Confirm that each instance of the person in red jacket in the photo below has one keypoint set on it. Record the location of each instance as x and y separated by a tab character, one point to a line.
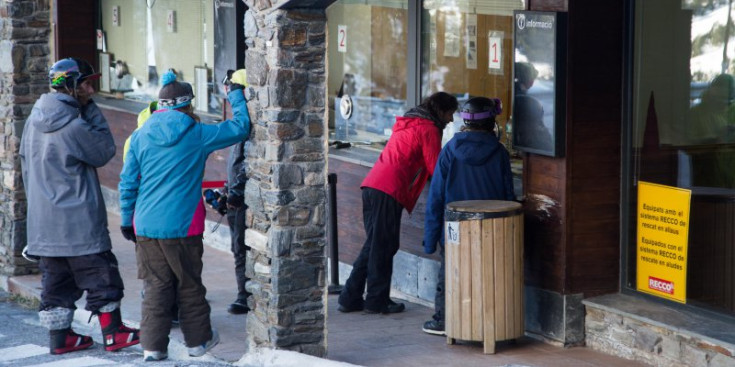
394	183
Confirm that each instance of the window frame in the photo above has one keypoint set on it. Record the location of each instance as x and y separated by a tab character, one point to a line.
627	282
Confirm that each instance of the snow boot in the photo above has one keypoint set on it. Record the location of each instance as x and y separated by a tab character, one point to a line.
114	333
65	341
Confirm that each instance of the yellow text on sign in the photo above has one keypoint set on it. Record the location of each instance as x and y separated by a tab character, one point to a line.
663	233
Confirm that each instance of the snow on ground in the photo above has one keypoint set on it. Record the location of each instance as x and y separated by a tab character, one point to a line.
263	357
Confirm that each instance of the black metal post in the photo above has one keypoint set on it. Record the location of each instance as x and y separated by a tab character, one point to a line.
334	286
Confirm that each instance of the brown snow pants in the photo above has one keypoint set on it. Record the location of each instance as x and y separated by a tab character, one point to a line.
162	265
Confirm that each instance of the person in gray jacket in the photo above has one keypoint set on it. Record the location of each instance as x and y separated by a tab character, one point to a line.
65	139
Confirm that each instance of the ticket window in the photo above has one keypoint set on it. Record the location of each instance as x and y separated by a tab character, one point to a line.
367	54
145	39
468	52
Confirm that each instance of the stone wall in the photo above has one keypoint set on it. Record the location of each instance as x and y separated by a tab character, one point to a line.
24	58
286	166
669	342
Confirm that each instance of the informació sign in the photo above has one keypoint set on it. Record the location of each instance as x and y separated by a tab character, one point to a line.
663	234
539	88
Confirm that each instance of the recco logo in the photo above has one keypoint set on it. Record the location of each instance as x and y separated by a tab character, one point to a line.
661	285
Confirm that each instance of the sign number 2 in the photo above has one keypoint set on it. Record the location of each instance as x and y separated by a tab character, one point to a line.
342	38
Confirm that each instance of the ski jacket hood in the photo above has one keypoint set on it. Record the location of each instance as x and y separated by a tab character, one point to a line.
54	111
472	166
170	128
475	149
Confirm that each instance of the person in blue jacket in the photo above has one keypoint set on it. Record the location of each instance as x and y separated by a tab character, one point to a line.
472	166
160	190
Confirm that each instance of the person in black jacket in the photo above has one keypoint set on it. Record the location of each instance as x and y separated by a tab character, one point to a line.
472	166
236	209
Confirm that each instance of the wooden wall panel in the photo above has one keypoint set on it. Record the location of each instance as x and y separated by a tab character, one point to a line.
594	146
75	29
544	182
573	203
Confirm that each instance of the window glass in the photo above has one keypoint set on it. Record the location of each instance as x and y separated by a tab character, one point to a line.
366	85
683	130
146	38
468	52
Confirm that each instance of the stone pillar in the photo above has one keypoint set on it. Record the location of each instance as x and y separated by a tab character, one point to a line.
286	166
24	59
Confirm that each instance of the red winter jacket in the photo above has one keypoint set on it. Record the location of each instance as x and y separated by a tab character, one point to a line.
407	160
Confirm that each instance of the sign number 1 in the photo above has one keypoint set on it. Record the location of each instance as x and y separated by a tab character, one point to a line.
342	38
495	53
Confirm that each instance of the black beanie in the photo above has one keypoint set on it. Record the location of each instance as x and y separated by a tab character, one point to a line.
174	94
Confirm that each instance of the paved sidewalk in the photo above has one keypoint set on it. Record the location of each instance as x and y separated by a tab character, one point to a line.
357	338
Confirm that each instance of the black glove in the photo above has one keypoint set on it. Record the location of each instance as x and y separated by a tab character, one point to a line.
235	201
128	233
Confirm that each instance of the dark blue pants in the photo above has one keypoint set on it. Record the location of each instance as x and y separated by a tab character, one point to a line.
236	220
64	280
374	266
439	306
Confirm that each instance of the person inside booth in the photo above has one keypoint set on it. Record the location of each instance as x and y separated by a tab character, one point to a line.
528	112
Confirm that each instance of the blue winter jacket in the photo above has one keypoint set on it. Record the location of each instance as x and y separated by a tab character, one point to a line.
472	166
161	180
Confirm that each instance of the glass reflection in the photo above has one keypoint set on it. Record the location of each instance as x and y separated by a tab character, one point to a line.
533	112
684	131
467	51
366	84
146	38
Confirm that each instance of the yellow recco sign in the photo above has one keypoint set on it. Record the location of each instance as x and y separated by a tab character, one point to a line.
663	234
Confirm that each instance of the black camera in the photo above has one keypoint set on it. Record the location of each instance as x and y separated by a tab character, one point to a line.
217	200
227	80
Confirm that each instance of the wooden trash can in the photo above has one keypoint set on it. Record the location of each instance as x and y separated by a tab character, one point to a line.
484	271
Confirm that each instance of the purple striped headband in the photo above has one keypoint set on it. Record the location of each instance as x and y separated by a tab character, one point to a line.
476	116
497	110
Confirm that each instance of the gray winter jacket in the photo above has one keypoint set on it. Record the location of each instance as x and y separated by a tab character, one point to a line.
61	148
